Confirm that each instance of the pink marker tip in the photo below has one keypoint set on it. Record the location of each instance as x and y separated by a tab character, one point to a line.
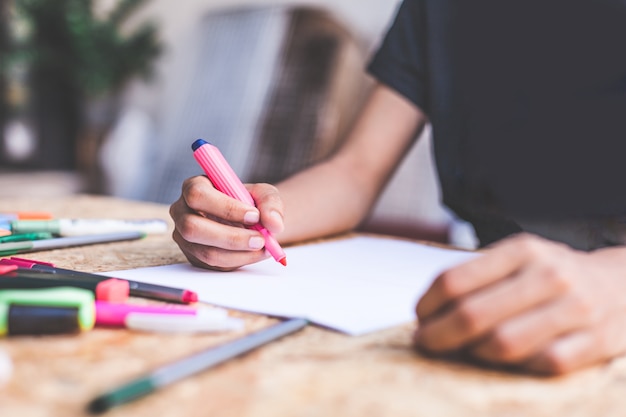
189	297
283	261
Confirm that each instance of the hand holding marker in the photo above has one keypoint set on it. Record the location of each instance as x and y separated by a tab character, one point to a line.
225	180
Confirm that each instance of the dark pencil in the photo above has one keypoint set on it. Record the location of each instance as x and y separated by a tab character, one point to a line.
137	289
25	279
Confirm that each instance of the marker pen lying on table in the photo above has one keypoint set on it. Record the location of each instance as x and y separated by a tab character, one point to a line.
191	365
21	237
165	318
65	242
79	227
46	311
12	278
114	314
137	289
225	180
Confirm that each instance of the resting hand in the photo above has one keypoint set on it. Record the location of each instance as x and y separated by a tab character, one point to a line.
530	303
209	225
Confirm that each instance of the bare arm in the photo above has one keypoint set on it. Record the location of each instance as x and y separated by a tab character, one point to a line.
327	198
340	192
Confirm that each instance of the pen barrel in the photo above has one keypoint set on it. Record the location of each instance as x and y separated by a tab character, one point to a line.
221	174
35	280
156	292
114	314
12	248
130	391
87	276
81	227
35	320
136	289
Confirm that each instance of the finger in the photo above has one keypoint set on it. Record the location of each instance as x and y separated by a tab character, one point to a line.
479	313
527	334
200	196
217	258
201	230
582	349
496	263
270	205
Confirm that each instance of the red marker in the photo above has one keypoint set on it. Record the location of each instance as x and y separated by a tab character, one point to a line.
225	180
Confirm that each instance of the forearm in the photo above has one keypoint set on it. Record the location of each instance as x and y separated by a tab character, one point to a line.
611	257
322	201
336	195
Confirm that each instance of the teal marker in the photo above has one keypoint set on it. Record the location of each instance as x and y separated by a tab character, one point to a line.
11	248
21	237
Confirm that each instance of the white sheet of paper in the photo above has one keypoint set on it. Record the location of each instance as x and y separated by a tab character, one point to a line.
355	285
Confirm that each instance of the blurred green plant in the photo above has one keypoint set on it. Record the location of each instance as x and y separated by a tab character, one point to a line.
61	55
94	50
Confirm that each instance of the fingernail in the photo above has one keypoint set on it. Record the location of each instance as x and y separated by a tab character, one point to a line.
251	217
256	242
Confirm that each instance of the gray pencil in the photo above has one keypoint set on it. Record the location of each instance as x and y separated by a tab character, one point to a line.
65	242
191	365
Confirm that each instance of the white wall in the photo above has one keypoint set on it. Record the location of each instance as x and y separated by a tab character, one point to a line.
367	17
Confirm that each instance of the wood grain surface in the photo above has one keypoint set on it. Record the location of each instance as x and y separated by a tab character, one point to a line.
316	372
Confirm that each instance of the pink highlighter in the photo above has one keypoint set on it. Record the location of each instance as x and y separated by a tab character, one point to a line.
225	180
114	314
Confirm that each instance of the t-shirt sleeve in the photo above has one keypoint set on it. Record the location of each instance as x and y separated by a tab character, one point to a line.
399	62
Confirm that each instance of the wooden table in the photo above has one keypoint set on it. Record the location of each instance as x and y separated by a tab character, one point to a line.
316	372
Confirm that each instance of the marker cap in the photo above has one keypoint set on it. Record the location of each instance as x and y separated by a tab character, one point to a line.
29	319
113	290
62	297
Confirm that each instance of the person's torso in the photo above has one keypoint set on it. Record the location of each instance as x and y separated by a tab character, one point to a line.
528	103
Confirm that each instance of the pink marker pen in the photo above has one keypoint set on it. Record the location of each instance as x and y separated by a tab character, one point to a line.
114	314
225	180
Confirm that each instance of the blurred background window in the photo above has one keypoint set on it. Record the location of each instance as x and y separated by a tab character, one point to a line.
131	84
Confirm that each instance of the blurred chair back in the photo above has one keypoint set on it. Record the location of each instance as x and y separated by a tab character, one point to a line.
275	88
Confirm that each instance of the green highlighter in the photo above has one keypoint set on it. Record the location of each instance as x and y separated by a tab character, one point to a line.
21	237
46	311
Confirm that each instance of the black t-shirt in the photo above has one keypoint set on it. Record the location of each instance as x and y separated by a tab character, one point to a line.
527	100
